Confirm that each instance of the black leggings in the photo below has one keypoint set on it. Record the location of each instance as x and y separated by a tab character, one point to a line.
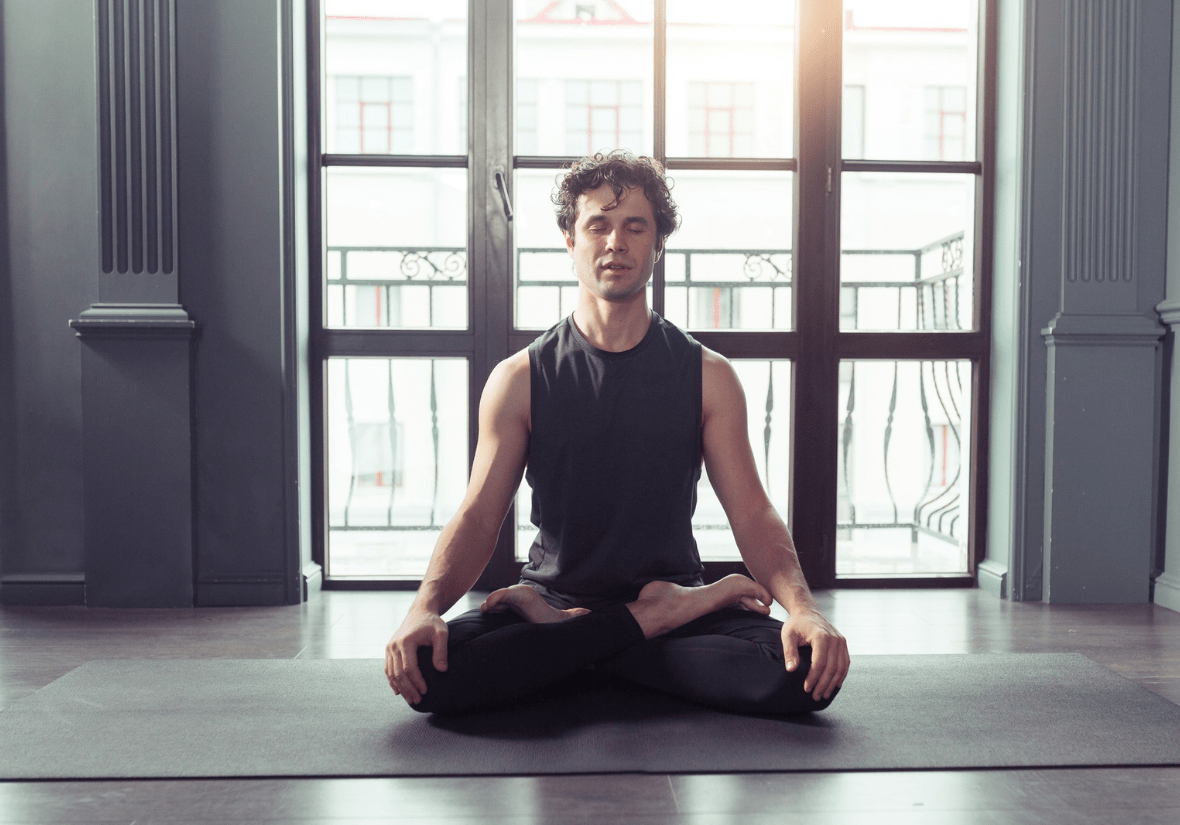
731	660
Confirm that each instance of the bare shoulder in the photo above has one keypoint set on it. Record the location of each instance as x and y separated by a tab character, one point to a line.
507	394
720	388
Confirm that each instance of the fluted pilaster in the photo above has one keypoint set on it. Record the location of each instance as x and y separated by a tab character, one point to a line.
1103	343
137	340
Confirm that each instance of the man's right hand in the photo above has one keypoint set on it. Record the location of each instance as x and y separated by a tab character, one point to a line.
401	653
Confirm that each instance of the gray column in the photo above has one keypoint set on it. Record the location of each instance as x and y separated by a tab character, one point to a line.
1102	387
136	340
1167	584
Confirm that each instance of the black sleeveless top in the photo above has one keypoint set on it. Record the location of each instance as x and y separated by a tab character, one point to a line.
614	459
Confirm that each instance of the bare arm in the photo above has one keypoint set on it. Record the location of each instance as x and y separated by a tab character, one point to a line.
761	535
467	541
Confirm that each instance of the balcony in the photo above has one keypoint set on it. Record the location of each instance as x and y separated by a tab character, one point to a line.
398	426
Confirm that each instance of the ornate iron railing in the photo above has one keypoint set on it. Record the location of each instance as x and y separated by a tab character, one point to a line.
935	511
393	460
937	286
429	267
938	290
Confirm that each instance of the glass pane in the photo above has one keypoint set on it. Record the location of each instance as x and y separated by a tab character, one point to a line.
588	67
731	78
397	461
397	248
400	63
903	472
914	64
729	264
852	122
546	289
907	251
768	413
767	385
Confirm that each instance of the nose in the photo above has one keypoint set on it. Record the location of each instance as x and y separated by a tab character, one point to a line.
616	240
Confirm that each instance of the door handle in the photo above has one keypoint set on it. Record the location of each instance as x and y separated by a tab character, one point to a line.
502	187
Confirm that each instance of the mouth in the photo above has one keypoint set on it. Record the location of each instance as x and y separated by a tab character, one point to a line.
615	267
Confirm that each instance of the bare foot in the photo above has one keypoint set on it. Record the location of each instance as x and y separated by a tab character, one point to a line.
663	606
522	599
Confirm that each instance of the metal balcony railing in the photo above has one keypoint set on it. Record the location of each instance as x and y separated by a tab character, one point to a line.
364	283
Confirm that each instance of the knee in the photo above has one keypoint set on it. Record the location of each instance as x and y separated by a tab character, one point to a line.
806	702
785	695
440	696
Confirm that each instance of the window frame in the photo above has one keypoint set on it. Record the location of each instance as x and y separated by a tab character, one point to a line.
815	344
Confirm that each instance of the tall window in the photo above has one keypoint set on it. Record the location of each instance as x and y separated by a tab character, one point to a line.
831	247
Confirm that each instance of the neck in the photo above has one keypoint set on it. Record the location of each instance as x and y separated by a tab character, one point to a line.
614	326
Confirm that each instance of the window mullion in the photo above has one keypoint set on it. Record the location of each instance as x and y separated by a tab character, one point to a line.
813	516
490	239
659	133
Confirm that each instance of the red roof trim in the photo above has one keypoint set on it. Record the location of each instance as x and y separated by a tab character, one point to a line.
543	17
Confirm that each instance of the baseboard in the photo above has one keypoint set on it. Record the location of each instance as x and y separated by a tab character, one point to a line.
43	589
993	578
254	591
313	580
1167	591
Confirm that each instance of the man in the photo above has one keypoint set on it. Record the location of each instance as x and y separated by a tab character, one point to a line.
613	411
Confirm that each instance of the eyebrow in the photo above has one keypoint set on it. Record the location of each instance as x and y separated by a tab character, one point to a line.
631	220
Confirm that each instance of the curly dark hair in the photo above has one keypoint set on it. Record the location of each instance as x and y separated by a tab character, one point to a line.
619	170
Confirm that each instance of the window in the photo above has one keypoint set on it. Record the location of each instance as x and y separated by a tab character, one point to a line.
599	114
852	129
374	115
721	120
837	260
527	117
946	122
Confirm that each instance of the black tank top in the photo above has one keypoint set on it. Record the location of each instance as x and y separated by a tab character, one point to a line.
614	459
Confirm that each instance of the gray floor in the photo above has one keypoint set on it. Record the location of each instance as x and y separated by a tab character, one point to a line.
1140	642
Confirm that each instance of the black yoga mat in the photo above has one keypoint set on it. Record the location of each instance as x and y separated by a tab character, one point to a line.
255	718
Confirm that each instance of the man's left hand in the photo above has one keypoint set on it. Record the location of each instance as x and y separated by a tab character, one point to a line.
829	652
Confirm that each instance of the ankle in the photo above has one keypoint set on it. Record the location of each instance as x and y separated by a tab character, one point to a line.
646	616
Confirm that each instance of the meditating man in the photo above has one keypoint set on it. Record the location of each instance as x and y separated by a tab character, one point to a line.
612	412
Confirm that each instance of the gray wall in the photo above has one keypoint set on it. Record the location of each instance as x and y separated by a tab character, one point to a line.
47	269
241	196
1167	585
237	279
1076	448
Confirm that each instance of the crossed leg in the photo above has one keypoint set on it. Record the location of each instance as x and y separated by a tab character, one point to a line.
729	659
517	644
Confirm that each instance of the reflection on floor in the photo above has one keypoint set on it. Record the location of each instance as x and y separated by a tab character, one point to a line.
1141	642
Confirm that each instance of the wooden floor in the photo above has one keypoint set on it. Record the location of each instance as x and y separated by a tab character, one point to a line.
37	645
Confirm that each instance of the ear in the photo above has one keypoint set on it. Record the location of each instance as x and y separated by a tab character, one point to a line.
569	242
659	250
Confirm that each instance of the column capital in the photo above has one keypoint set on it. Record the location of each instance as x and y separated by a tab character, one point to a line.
109	320
1169	311
1124	329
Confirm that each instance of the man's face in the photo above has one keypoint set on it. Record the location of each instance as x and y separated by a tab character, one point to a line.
614	247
